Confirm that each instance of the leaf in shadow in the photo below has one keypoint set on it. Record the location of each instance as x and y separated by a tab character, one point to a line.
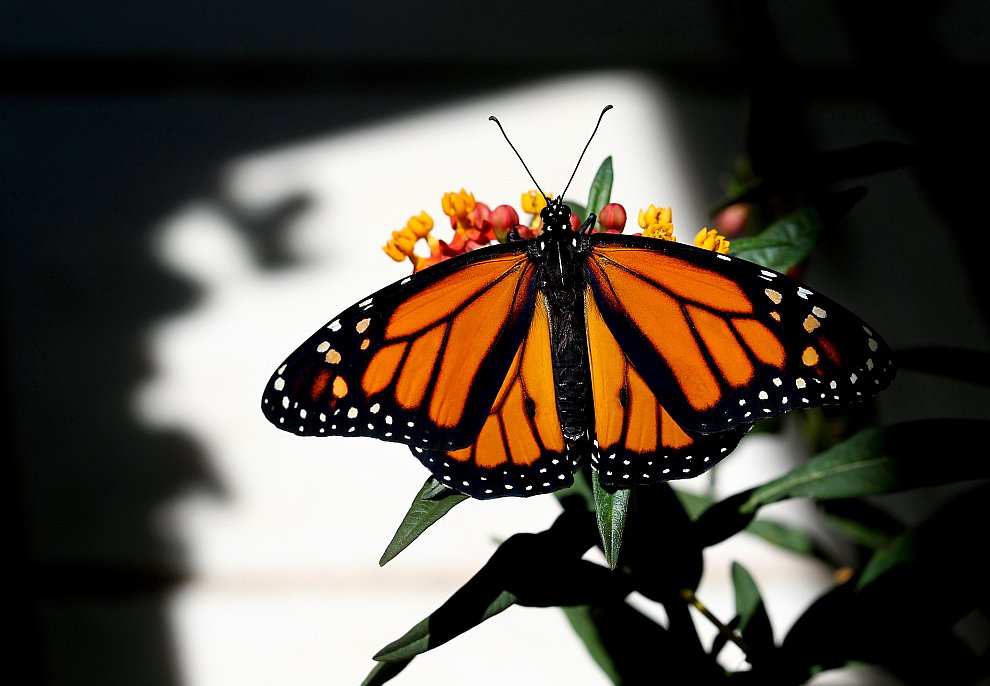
754	622
433	501
538	570
910	455
661	553
901	612
784	244
723	519
632	649
862	523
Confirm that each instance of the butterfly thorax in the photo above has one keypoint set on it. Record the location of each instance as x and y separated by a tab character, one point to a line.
561	285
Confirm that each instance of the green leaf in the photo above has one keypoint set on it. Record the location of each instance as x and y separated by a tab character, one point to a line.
754	622
784	243
937	547
610	511
384	671
420	638
431	503
582	620
693	503
783	536
910	455
601	187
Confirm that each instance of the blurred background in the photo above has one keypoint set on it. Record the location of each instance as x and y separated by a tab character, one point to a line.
190	190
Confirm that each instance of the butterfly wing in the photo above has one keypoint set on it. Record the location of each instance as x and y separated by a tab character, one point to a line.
638	441
520	449
419	362
722	342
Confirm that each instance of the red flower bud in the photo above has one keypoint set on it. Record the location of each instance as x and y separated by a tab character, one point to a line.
504	219
732	220
612	218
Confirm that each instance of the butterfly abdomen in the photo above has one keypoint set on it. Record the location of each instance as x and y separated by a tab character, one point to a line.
562	287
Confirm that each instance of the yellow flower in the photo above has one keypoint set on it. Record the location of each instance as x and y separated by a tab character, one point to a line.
533	203
661	230
656	223
421	225
710	240
458	204
403	242
655	215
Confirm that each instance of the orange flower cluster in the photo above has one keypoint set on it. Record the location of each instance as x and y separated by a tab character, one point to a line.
475	225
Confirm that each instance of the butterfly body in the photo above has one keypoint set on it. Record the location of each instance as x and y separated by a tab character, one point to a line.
506	368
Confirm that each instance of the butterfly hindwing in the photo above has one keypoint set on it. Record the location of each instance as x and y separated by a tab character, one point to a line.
419	362
723	342
638	441
520	448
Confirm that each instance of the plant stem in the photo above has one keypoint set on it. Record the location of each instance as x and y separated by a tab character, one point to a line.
728	633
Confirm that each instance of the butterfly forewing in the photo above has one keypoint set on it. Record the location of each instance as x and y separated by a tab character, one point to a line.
419	362
723	342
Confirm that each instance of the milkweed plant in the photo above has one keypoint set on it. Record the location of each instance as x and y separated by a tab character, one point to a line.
892	603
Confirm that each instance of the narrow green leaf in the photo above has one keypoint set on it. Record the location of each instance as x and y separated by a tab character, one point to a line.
858	532
384	671
601	187
431	503
874	461
582	621
935	547
754	623
610	511
784	243
693	503
783	536
419	639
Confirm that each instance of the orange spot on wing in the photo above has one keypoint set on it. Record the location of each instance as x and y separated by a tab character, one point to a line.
641	432
536	373
761	341
830	351
319	385
809	357
607	375
339	387
489	450
523	446
671	433
382	368
462	454
417	370
729	356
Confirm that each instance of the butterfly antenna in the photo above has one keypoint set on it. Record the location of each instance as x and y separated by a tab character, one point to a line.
495	119
607	108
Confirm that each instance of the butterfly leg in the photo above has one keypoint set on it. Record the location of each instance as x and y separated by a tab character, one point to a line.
589	224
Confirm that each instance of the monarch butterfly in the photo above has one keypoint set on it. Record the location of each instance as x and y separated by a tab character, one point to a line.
505	368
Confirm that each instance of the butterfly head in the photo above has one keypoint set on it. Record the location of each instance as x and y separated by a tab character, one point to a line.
556	216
